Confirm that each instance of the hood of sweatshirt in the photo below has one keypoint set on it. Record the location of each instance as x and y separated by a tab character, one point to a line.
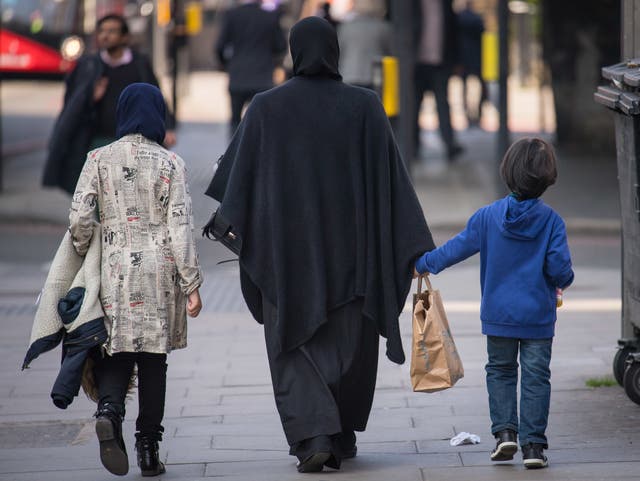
522	219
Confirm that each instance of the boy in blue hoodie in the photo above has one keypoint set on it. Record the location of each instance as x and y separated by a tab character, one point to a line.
524	265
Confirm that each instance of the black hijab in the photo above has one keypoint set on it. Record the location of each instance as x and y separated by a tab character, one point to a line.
314	48
141	110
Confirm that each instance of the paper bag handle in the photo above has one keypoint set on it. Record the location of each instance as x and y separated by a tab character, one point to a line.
426	280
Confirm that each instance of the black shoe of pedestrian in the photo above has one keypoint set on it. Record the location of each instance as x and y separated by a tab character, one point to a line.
113	452
314	463
506	445
351	453
348	446
533	456
148	457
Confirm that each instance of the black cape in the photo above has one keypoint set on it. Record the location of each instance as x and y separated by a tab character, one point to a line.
314	184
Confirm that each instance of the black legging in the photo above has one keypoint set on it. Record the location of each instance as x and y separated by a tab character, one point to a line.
112	375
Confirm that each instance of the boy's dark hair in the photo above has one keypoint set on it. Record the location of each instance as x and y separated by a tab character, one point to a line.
529	167
124	27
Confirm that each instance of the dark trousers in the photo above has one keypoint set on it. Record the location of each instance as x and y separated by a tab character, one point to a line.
112	375
239	98
434	78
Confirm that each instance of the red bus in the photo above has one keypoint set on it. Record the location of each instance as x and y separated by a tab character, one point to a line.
40	37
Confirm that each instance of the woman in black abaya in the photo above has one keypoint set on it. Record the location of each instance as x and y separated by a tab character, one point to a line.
315	187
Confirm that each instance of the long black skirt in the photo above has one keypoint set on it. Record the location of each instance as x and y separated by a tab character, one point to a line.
324	388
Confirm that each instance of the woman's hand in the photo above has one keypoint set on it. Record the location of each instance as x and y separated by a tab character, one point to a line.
194	304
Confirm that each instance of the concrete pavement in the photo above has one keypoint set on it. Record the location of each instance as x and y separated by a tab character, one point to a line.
221	421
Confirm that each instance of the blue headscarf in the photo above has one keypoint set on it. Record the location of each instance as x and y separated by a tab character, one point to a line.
141	110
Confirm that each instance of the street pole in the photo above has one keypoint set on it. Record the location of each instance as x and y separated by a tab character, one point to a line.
630	38
401	15
503	43
174	57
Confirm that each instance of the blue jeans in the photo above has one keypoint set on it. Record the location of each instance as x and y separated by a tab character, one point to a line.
535	388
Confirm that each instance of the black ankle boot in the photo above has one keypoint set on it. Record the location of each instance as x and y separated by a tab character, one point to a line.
113	452
148	457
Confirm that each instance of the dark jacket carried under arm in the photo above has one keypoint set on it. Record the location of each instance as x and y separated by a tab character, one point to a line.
70	311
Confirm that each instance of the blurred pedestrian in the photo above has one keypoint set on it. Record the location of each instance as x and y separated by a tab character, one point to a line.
325	12
314	186
150	272
318	8
250	46
88	117
471	28
437	49
524	264
364	37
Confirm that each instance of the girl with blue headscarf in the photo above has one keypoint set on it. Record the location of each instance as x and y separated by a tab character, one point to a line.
150	277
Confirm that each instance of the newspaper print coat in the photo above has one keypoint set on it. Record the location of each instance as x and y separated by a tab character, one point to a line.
149	259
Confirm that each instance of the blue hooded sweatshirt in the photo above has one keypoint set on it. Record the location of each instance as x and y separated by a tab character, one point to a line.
524	256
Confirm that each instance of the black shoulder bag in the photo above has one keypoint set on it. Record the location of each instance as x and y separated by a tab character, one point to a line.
219	229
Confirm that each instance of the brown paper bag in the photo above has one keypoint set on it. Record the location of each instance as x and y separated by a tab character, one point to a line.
435	363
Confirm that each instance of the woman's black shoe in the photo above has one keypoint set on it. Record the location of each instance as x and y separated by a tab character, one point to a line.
351	453
348	446
314	463
113	452
148	457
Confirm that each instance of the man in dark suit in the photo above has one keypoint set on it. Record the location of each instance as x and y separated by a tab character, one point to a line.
250	45
436	41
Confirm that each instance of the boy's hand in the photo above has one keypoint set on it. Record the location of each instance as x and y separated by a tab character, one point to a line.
416	274
194	304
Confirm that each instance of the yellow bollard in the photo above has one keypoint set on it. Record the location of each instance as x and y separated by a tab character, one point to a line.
193	17
490	56
390	86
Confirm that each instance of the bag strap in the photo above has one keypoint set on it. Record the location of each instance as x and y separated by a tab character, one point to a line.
426	280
